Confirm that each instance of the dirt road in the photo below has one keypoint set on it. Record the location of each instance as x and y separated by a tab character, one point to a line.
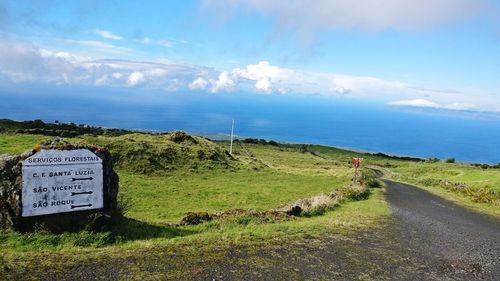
461	243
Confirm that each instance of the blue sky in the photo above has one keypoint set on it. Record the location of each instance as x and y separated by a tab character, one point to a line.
428	54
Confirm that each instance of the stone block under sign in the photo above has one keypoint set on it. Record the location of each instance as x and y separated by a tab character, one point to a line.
59	181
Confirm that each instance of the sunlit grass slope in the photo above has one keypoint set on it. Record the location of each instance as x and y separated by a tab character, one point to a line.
162	178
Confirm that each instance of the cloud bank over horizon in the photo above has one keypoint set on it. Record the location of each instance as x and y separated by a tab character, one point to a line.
423	103
24	62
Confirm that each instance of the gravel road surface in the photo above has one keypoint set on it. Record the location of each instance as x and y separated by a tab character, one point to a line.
461	243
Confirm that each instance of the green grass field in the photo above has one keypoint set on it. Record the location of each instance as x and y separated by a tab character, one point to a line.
162	177
260	177
16	144
165	199
267	179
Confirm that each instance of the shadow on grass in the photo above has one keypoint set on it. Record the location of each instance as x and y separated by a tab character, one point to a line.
128	229
117	232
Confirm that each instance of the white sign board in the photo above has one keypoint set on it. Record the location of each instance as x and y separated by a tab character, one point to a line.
58	181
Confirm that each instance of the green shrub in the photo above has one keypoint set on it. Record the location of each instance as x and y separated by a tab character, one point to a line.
450	160
433	160
316	211
355	193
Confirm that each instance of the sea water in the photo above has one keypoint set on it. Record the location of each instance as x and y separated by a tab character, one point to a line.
315	119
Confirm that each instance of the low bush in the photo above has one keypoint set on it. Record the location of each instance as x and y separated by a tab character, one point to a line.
192	218
355	193
429	182
260	141
477	194
433	160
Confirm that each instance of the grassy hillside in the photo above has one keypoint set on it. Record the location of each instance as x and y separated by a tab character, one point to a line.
165	176
260	175
161	153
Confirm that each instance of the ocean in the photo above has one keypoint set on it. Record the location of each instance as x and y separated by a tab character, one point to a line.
314	119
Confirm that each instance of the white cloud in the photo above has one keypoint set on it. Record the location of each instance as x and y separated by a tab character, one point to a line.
108	35
265	75
423	103
264	69
264	85
223	83
198	84
117	75
24	62
306	16
269	78
415	103
135	78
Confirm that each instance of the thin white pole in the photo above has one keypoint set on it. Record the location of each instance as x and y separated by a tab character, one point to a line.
232	132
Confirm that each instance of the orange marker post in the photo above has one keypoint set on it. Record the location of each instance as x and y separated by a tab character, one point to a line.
356	162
